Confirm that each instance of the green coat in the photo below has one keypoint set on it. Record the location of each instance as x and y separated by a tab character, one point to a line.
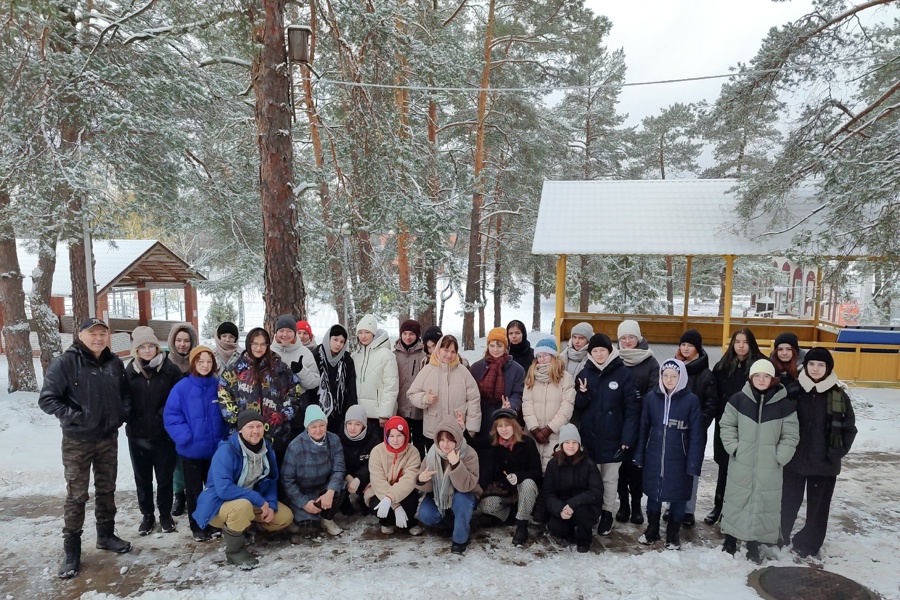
760	438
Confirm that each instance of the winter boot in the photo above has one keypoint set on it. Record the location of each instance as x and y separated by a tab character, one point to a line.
178	507
713	516
458	548
673	529
521	534
236	551
730	545
146	526
108	540
624	514
167	523
688	521
540	516
651	534
753	553
331	527
606	523
637	517
72	561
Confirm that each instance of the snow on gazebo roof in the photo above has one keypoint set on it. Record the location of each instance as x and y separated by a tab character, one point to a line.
681	217
116	263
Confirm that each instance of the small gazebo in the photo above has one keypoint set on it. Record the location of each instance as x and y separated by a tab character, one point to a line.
691	218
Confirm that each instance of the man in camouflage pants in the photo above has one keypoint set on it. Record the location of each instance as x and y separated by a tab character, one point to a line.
85	389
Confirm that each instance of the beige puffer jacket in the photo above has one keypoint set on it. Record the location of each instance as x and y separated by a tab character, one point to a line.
397	479
456	390
409	364
549	405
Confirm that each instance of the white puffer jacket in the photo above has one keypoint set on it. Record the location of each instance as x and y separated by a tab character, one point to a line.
548	405
309	371
377	382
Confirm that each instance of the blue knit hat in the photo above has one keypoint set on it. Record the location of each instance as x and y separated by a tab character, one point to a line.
547	346
313	414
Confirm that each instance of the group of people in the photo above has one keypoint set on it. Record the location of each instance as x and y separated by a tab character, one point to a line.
286	433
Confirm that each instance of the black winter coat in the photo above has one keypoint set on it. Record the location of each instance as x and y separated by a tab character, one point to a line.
356	455
330	374
573	483
814	455
88	395
148	398
496	462
646	373
611	410
703	384
727	385
523	354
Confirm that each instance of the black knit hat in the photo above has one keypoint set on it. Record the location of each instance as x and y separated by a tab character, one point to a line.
411	325
692	337
248	415
338	330
432	334
600	340
788	338
227	327
820	354
286	322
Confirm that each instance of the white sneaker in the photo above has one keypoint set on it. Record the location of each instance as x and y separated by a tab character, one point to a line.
387	529
416	530
331	527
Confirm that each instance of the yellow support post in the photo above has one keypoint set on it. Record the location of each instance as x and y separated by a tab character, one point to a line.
726	317
560	296
687	292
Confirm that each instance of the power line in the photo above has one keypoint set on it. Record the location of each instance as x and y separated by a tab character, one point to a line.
550	89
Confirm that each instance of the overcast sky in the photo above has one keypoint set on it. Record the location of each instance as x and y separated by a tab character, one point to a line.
679	38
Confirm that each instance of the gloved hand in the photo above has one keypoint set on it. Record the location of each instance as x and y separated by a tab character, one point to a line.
297	365
512	479
400	517
383	507
546	432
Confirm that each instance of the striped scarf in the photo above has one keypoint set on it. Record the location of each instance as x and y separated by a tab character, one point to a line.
327	400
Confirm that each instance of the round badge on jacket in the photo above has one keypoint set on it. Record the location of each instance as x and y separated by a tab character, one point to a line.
613	385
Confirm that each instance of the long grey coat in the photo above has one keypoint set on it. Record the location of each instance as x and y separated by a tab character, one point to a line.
760	432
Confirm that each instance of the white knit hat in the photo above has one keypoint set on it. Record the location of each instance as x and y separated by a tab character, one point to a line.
763	365
629	327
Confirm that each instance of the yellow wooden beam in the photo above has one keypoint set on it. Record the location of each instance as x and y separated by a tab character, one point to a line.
560	296
687	292
726	317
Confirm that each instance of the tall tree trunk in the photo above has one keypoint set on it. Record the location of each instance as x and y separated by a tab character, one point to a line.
536	300
722	292
46	323
670	287
240	300
584	297
284	291
427	315
16	330
474	275
312	115
401	99
498	283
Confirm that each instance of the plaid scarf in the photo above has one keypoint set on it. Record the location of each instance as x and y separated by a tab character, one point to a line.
492	386
835	404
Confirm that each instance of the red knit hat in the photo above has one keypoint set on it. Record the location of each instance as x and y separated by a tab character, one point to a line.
304	326
400	424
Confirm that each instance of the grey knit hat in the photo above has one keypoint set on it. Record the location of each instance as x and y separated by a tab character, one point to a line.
583	329
569	432
286	322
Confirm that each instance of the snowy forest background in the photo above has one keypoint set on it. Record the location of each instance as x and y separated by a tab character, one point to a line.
406	163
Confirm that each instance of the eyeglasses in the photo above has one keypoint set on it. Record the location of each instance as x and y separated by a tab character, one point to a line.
262	345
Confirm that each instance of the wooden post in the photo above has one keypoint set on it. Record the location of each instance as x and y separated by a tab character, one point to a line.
190	305
560	296
726	314
818	304
687	292
145	306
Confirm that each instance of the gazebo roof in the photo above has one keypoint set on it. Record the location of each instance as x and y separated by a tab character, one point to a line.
116	263
681	217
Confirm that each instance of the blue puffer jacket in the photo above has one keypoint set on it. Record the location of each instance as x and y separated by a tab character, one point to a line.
192	417
671	444
222	482
610	410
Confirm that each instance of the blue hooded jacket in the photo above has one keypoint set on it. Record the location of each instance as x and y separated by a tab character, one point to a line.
193	418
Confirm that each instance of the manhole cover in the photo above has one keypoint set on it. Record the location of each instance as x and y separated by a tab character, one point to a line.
784	583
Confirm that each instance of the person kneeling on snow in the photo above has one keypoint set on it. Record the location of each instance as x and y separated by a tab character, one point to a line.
242	488
314	470
393	467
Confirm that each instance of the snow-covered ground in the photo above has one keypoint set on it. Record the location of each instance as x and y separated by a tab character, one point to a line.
863	542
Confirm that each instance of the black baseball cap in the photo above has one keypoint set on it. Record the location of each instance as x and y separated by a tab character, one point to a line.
92	322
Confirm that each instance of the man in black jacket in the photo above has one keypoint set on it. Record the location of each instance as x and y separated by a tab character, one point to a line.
85	389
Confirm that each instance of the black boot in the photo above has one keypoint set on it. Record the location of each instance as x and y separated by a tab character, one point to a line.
673	541
178	506
637	517
606	523
688	521
521	534
730	545
147	524
539	515
714	514
72	561
624	514
236	551
651	534
108	540
166	523
753	552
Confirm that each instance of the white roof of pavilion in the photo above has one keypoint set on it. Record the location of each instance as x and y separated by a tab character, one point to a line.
680	217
